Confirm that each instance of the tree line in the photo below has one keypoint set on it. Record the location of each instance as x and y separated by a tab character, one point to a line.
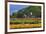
36	12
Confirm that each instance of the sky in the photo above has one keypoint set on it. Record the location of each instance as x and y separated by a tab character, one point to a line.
15	8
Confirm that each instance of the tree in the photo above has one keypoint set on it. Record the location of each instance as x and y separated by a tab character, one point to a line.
36	11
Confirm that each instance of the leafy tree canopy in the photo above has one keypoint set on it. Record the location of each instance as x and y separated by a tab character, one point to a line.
36	11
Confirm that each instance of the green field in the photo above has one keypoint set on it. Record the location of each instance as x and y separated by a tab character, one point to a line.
26	21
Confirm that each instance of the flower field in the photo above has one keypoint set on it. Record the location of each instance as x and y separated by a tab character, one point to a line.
25	23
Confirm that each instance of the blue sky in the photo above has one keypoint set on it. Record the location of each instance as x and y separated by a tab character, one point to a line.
15	8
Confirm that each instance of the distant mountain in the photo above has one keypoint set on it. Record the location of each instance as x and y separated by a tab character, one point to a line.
36	11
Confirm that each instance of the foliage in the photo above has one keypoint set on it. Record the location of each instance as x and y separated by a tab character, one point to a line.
36	11
26	21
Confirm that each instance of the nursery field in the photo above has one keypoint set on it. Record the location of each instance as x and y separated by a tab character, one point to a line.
19	23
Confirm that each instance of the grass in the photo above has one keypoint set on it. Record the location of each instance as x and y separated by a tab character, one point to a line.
21	20
25	23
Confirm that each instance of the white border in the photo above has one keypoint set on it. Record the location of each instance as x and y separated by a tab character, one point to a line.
17	30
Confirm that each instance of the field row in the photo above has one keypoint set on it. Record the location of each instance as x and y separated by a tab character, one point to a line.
18	26
26	21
